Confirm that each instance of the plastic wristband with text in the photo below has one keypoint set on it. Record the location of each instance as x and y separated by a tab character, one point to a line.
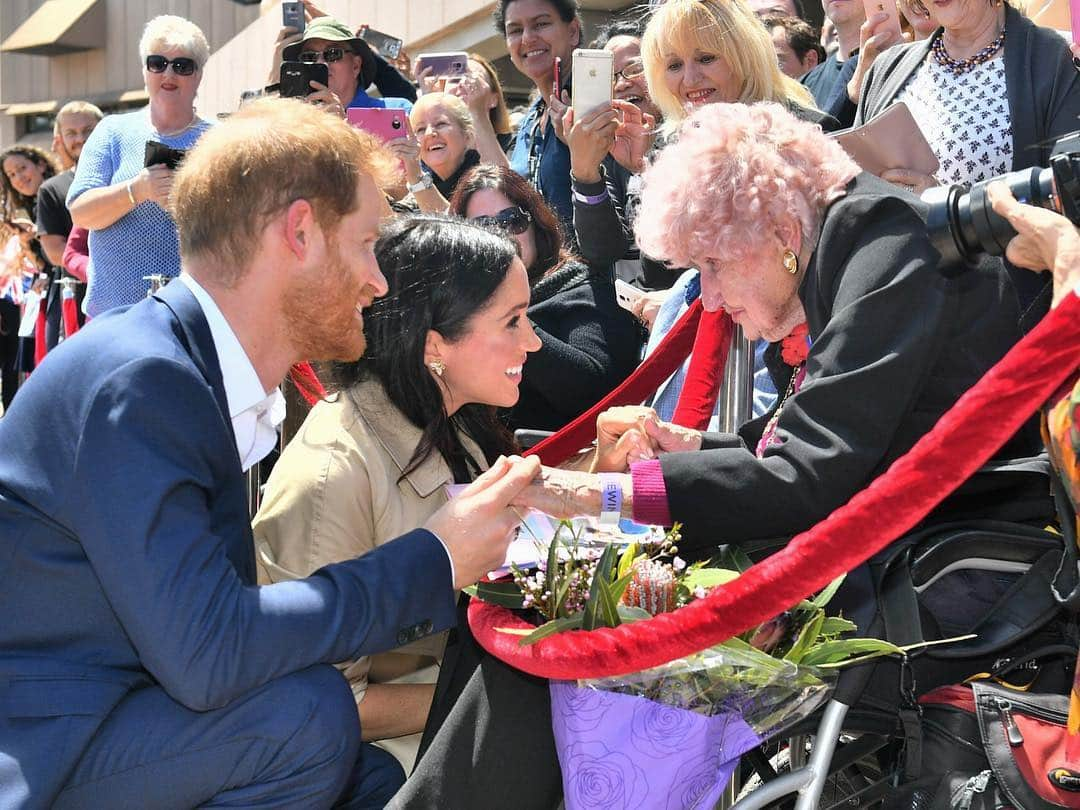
610	499
594	199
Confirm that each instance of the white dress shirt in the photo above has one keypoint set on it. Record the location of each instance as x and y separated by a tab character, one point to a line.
255	414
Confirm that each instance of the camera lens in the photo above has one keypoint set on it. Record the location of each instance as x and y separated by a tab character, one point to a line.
962	223
396	123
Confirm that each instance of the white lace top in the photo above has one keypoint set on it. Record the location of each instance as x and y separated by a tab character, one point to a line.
965	119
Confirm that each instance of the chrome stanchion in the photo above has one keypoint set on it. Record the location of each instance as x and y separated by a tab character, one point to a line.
157	281
737	389
254	483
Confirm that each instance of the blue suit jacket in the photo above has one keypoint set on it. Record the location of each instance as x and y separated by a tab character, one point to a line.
126	555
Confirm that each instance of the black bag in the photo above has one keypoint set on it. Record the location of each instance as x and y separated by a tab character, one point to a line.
987	747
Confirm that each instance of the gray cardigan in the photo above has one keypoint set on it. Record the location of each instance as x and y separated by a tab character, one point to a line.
1042	85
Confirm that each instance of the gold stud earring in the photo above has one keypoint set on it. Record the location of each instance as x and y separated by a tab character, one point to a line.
791	262
437	367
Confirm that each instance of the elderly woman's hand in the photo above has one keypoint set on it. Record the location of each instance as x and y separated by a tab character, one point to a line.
407	150
153	184
569	493
589	139
1044	240
634	136
915	182
327	99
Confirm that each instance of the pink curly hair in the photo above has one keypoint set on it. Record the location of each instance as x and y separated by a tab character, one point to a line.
734	174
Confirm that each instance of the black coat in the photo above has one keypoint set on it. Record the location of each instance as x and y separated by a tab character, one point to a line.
590	346
1041	83
895	344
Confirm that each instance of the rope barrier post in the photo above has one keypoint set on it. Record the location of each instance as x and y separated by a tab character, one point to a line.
737	390
157	281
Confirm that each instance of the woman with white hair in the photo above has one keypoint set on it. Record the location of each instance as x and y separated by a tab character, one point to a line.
120	200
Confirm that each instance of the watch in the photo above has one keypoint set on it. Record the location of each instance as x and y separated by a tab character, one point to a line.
424	182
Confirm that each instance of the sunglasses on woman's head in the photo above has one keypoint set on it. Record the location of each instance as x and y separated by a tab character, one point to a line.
328	56
514	220
181	65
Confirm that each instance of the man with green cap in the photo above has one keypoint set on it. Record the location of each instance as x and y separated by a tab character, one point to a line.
352	65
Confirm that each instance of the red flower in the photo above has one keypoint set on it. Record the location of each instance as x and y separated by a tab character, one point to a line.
795	347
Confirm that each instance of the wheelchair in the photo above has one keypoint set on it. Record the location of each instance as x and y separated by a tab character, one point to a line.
865	742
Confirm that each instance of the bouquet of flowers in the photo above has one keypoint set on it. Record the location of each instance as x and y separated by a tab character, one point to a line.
671	736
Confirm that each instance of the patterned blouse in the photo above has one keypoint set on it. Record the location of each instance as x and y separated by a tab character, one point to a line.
965	119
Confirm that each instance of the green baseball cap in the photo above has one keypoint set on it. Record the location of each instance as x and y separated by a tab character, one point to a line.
333	30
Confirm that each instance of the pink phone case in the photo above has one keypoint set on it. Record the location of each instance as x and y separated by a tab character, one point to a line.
385	124
1074	19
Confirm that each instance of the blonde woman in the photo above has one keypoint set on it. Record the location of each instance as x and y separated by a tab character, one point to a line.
699	52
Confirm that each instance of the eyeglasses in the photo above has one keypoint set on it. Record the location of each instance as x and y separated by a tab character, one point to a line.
514	220
633	70
181	65
328	56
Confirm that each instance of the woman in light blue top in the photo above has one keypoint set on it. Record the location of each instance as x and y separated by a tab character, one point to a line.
122	202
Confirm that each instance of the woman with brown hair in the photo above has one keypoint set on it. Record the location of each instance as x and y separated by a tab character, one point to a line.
590	344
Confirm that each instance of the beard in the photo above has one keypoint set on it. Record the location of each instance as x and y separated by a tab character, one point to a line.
320	313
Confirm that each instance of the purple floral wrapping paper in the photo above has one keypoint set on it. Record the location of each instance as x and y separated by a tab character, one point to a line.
622	752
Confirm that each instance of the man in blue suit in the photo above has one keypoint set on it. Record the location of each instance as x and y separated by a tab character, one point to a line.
140	664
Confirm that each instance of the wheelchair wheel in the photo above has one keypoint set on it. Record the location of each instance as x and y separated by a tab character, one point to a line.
863	769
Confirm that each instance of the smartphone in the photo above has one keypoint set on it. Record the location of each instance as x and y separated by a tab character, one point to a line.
453	63
158	154
296	78
1074	20
388	46
292	14
626	295
556	77
386	124
592	80
889	7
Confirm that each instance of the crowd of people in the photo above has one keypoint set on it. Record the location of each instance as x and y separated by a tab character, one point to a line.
453	284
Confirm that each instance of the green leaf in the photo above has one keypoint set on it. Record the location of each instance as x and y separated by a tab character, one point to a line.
601	579
827	593
618	587
835	652
629	613
627	560
837	625
609	607
807	636
505	594
708	578
734	558
551	628
552	572
560	597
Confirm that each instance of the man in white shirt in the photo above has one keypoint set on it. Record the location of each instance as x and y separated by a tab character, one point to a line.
140	664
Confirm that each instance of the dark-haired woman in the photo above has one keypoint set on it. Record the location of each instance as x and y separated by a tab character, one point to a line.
23	169
445	347
590	343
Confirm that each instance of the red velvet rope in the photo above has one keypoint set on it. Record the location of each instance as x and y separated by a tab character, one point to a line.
961	442
307	383
697	400
644	380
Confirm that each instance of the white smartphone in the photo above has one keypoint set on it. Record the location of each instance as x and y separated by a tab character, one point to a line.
592	80
626	295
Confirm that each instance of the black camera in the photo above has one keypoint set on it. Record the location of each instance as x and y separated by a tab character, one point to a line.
963	225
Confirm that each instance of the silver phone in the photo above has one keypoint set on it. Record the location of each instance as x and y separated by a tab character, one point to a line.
592	81
292	14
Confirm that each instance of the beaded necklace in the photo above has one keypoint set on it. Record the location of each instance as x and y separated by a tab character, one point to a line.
958	67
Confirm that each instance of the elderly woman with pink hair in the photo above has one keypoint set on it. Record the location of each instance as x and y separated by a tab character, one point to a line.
804	250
